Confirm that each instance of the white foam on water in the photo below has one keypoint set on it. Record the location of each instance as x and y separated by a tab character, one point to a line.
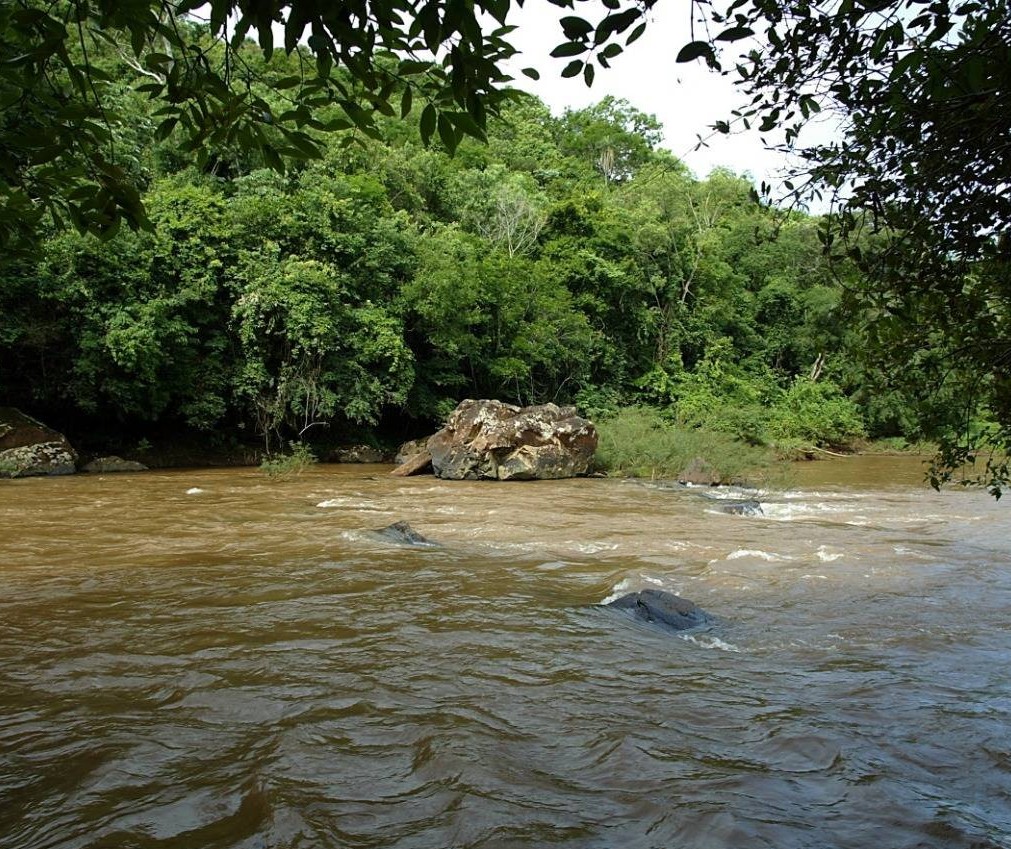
707	641
503	548
352	504
194	490
905	551
713	512
733	493
623	587
826	556
552	565
759	554
634	583
593	547
816	495
813	578
779	512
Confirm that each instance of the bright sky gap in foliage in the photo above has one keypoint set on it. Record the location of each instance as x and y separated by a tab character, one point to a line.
687	99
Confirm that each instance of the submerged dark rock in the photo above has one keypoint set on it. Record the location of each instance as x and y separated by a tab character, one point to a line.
403	534
662	608
750	507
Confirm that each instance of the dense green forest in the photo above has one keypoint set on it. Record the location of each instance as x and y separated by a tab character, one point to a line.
362	293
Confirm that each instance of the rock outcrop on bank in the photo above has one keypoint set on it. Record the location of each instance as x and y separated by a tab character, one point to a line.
112	465
491	440
28	447
358	454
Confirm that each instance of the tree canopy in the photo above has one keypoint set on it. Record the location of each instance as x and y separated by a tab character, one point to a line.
912	80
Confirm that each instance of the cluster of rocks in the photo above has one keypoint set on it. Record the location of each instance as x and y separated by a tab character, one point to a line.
29	448
491	440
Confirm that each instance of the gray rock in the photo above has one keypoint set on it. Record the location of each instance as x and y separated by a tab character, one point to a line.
359	454
28	447
414	465
741	508
496	441
410	450
112	464
661	608
403	534
700	472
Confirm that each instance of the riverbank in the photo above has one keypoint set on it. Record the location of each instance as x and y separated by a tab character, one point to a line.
634	442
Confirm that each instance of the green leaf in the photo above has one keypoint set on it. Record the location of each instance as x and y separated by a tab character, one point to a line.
464	122
533	73
695	50
138	38
636	33
427	123
447	133
575	28
165	128
273	159
406	100
266	35
569	48
305	145
573	68
735	33
588	73
409	67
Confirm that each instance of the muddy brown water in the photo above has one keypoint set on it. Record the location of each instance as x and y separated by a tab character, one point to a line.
201	659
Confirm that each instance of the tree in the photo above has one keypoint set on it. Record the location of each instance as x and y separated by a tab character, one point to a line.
613	136
918	170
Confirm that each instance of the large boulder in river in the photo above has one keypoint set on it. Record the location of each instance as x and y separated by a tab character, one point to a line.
28	447
497	441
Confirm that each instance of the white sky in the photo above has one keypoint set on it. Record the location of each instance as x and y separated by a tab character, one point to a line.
686	98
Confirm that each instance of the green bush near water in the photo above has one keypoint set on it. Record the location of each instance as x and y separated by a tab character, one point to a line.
297	460
640	442
755	408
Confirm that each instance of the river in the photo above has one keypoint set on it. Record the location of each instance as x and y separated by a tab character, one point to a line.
208	658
